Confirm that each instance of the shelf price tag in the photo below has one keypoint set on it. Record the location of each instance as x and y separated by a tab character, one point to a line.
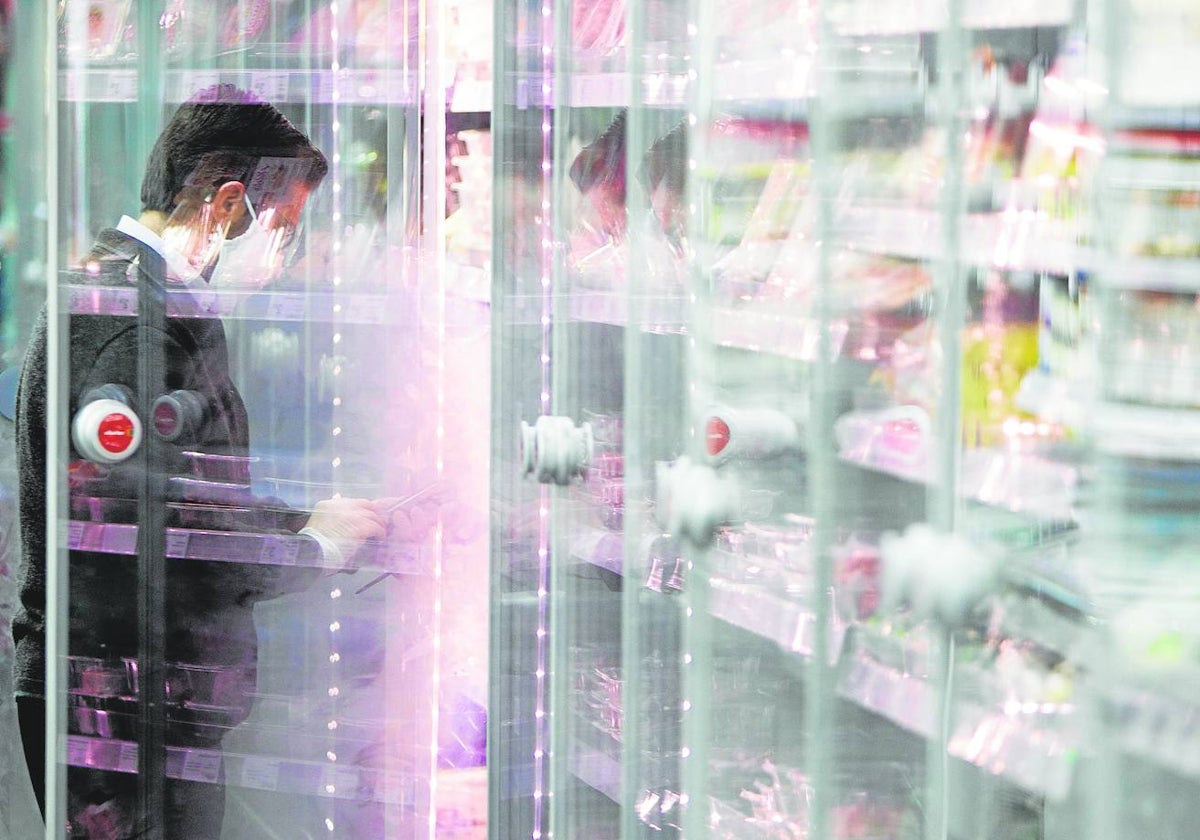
127	759
177	544
597	89
207	303
122	301
77	751
120	86
195	80
802	638
324	84
364	309
69	83
286	306
271	86
279	551
201	766
74	534
78	300
260	773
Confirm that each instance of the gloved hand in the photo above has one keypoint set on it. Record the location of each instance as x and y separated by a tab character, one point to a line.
342	525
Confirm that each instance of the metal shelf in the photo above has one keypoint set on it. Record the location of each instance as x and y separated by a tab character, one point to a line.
599	90
358	308
998	479
761	330
598	547
284	775
784	88
346	87
1011	240
1141	431
1180	275
781	86
1136	431
1032	745
790	624
230	547
1168	117
873	18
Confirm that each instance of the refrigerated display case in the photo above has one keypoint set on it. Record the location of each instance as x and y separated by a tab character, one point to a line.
843	436
274	679
1139	502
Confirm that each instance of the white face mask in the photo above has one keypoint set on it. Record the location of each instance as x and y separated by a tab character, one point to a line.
190	248
180	269
256	257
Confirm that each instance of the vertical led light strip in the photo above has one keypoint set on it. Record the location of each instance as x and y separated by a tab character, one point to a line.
826	89
335	592
432	87
944	501
696	627
546	228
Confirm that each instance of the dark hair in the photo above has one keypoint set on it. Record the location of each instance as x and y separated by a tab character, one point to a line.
226	124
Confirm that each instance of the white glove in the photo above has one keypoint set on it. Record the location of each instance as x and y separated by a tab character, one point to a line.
341	526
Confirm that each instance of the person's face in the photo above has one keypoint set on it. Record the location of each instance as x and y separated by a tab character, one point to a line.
274	210
203	221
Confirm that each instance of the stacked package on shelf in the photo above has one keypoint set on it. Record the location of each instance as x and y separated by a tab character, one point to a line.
598	246
1058	172
598	28
1142	514
1151	205
469	49
1028	170
369	33
469	213
775	803
1148	209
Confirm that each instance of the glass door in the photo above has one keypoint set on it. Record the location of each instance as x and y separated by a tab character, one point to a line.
864	221
261	516
558	425
1140	307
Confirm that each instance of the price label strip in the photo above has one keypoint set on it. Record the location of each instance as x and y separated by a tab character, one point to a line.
127	760
201	766
260	773
177	544
279	551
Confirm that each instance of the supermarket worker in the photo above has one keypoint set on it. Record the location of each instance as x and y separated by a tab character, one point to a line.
221	197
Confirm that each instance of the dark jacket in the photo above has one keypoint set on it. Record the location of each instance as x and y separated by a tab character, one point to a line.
209	605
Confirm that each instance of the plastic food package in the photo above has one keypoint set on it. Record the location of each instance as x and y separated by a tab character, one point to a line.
598	26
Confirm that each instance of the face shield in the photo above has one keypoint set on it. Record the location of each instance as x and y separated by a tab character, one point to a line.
237	221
